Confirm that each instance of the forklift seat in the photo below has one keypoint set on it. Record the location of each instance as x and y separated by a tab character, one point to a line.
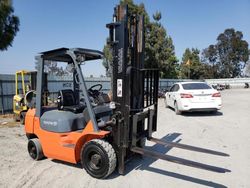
67	101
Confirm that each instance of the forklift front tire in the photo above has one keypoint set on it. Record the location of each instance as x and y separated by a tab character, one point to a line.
35	149
142	142
98	158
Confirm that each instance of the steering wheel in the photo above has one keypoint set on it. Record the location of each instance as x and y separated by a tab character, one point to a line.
94	90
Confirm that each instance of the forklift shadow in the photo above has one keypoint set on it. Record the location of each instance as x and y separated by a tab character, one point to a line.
145	164
78	165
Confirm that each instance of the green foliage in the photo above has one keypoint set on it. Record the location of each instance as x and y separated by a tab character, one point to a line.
136	9
209	59
191	66
52	68
9	24
159	48
229	56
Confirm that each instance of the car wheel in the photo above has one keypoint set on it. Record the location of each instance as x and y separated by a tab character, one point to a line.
35	149
176	109
98	158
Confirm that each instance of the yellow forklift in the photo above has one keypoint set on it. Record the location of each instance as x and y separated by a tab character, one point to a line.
25	83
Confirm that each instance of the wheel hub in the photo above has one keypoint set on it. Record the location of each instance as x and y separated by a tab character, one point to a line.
95	160
33	152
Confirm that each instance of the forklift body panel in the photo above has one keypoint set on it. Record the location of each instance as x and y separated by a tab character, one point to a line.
62	146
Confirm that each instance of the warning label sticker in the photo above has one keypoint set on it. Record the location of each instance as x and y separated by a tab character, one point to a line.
119	87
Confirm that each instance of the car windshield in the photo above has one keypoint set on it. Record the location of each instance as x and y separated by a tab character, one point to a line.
193	86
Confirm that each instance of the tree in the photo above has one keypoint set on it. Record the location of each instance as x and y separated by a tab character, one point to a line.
209	59
159	48
191	66
9	24
52	68
229	56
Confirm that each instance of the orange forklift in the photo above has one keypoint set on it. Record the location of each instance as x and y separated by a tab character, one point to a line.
87	126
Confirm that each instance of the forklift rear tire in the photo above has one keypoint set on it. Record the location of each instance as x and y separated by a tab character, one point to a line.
98	158
35	149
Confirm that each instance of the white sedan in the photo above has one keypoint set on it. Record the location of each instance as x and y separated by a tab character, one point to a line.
193	96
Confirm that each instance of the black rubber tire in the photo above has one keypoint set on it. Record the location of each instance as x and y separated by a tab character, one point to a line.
213	112
142	142
35	149
98	158
22	117
176	109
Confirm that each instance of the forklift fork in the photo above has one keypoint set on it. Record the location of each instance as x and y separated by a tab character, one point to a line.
187	147
178	160
149	115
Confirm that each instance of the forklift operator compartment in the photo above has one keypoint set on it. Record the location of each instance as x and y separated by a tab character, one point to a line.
72	113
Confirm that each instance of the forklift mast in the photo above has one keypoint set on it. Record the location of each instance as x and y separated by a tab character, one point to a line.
134	88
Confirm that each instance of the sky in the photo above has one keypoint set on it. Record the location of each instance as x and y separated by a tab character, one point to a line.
46	25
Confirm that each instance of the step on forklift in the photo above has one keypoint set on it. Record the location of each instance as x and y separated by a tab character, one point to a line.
87	126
